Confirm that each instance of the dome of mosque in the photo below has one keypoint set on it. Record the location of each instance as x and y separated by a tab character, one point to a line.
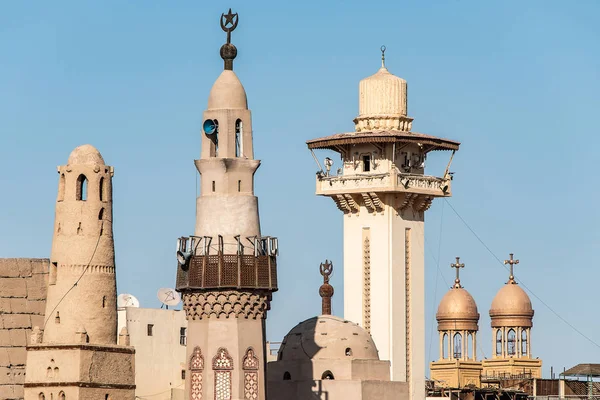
86	154
511	307
327	337
227	93
457	310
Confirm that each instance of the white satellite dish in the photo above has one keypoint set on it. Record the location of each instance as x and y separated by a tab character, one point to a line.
168	296
127	300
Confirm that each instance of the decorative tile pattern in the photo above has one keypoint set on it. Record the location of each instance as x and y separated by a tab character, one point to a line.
222	360
223	385
196	367
250	360
366	280
250	385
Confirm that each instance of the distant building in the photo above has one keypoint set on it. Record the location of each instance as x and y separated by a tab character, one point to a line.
159	337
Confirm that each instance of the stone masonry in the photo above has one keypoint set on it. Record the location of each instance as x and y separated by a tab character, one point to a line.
23	287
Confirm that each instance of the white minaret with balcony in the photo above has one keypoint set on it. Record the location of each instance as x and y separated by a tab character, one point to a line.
383	192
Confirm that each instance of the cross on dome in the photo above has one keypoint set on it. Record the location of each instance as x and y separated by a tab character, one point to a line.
457	265
511	262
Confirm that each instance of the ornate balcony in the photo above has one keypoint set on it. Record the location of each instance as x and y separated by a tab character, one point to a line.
391	182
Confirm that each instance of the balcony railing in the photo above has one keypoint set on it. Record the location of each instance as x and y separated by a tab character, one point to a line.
393	181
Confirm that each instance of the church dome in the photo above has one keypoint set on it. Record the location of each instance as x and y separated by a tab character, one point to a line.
327	337
458	311
86	154
227	93
511	307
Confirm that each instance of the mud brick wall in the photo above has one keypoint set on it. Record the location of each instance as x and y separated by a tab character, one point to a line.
23	287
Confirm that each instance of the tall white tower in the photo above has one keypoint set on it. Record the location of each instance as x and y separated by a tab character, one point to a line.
227	270
383	192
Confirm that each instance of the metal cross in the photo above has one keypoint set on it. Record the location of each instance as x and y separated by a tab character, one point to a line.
457	265
512	262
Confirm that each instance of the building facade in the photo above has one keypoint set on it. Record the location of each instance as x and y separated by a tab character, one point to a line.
382	189
159	337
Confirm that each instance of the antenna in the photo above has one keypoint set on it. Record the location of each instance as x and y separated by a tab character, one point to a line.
127	300
168	296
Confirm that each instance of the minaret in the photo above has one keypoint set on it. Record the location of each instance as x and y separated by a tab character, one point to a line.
382	189
512	319
227	270
457	318
75	353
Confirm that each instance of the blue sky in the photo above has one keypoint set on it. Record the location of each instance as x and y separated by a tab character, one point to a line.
517	83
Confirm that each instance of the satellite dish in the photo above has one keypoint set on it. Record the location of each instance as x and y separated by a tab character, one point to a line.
127	300
168	296
210	126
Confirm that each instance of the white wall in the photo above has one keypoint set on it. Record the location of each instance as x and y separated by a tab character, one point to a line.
159	358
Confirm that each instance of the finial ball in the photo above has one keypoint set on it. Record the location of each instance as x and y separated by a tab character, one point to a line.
228	51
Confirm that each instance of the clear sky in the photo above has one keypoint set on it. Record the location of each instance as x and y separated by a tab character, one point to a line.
516	82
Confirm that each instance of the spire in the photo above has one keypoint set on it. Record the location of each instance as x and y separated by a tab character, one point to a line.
326	290
511	262
229	22
383	56
457	265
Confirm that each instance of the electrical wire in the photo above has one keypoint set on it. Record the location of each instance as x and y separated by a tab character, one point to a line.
520	281
78	279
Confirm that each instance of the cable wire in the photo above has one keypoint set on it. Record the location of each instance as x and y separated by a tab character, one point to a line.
520	281
78	279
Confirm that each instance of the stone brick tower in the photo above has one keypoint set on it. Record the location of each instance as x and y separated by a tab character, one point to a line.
382	189
75	354
227	270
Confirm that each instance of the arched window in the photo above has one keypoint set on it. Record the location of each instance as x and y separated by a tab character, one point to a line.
238	138
41	396
348	352
81	190
327	375
524	342
511	339
101	189
457	345
61	187
470	345
196	368
222	364
250	367
445	346
101	214
287	376
499	342
61	396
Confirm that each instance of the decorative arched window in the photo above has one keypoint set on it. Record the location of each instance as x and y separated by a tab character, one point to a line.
101	189
287	376
41	396
61	396
445	346
250	367
511	340
81	190
470	345
222	364
499	342
457	345
524	342
61	187
327	375
238	138
196	368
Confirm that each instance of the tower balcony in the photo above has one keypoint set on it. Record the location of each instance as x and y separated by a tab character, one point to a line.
390	182
202	267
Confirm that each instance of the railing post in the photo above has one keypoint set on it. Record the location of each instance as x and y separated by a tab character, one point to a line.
239	270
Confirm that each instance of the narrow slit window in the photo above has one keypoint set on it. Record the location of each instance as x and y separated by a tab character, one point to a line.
81	192
213	186
150	329
182	336
238	138
61	187
101	189
239	186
